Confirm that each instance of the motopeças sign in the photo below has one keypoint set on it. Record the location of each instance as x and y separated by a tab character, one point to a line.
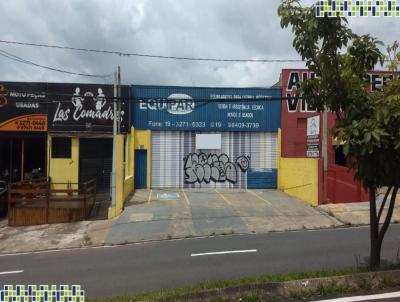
22	107
62	107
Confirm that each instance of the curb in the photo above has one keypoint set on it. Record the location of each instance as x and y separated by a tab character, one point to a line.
302	288
113	245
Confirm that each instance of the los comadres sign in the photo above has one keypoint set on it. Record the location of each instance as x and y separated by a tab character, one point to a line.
84	110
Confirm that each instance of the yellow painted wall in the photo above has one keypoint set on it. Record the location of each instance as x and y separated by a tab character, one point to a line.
133	142
298	177
131	151
142	141
124	174
128	186
278	156
64	170
129	157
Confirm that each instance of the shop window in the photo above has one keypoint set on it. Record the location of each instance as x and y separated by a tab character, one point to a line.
61	147
301	122
340	158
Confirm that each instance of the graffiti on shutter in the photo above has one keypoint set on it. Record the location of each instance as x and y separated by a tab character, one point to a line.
200	167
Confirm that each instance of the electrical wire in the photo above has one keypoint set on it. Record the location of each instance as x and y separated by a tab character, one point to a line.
66	98
130	54
24	61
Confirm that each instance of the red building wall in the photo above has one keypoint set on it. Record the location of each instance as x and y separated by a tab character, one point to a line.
294	114
336	184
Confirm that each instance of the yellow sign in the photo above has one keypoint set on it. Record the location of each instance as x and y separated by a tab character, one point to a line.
30	123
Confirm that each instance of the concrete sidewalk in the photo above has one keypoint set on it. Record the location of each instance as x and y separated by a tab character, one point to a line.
168	214
357	213
53	236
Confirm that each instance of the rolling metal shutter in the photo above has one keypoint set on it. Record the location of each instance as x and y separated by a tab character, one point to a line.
246	160
95	161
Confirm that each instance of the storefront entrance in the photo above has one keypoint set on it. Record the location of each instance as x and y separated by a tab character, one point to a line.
244	160
95	161
22	157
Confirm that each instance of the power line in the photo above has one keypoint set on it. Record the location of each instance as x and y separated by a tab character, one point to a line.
24	61
51	98
130	54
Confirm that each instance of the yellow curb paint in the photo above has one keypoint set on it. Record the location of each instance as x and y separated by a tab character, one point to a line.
186	198
224	198
148	201
259	197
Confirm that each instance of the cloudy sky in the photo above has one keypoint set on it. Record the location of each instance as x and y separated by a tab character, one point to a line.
241	29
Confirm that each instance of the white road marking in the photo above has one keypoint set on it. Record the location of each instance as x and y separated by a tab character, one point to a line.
186	198
224	198
11	272
364	298
223	252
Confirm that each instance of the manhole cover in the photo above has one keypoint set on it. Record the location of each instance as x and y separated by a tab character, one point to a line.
168	196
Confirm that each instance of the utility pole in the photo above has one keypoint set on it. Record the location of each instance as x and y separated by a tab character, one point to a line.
114	152
324	147
119	100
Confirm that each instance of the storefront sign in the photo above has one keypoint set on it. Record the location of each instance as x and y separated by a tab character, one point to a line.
22	107
85	107
29	107
313	137
210	109
291	80
313	125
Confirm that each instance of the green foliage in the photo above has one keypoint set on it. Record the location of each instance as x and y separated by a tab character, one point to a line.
367	123
372	139
393	56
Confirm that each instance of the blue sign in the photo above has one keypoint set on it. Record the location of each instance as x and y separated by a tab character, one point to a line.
206	109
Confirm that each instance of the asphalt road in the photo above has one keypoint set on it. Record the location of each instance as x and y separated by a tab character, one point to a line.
110	271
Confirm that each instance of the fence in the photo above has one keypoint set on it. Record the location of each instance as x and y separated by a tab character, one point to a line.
39	202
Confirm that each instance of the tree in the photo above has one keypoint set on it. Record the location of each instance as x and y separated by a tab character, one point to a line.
367	123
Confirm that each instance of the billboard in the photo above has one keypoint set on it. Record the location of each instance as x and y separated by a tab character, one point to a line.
292	78
296	111
22	108
206	109
85	107
36	107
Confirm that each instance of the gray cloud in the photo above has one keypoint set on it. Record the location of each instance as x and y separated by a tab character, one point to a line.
193	28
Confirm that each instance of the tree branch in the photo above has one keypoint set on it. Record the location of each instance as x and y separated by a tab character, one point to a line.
384	202
389	215
372	202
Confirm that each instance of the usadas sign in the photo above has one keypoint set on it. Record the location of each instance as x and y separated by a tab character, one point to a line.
21	110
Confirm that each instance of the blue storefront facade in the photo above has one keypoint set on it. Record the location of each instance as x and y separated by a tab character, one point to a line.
203	137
